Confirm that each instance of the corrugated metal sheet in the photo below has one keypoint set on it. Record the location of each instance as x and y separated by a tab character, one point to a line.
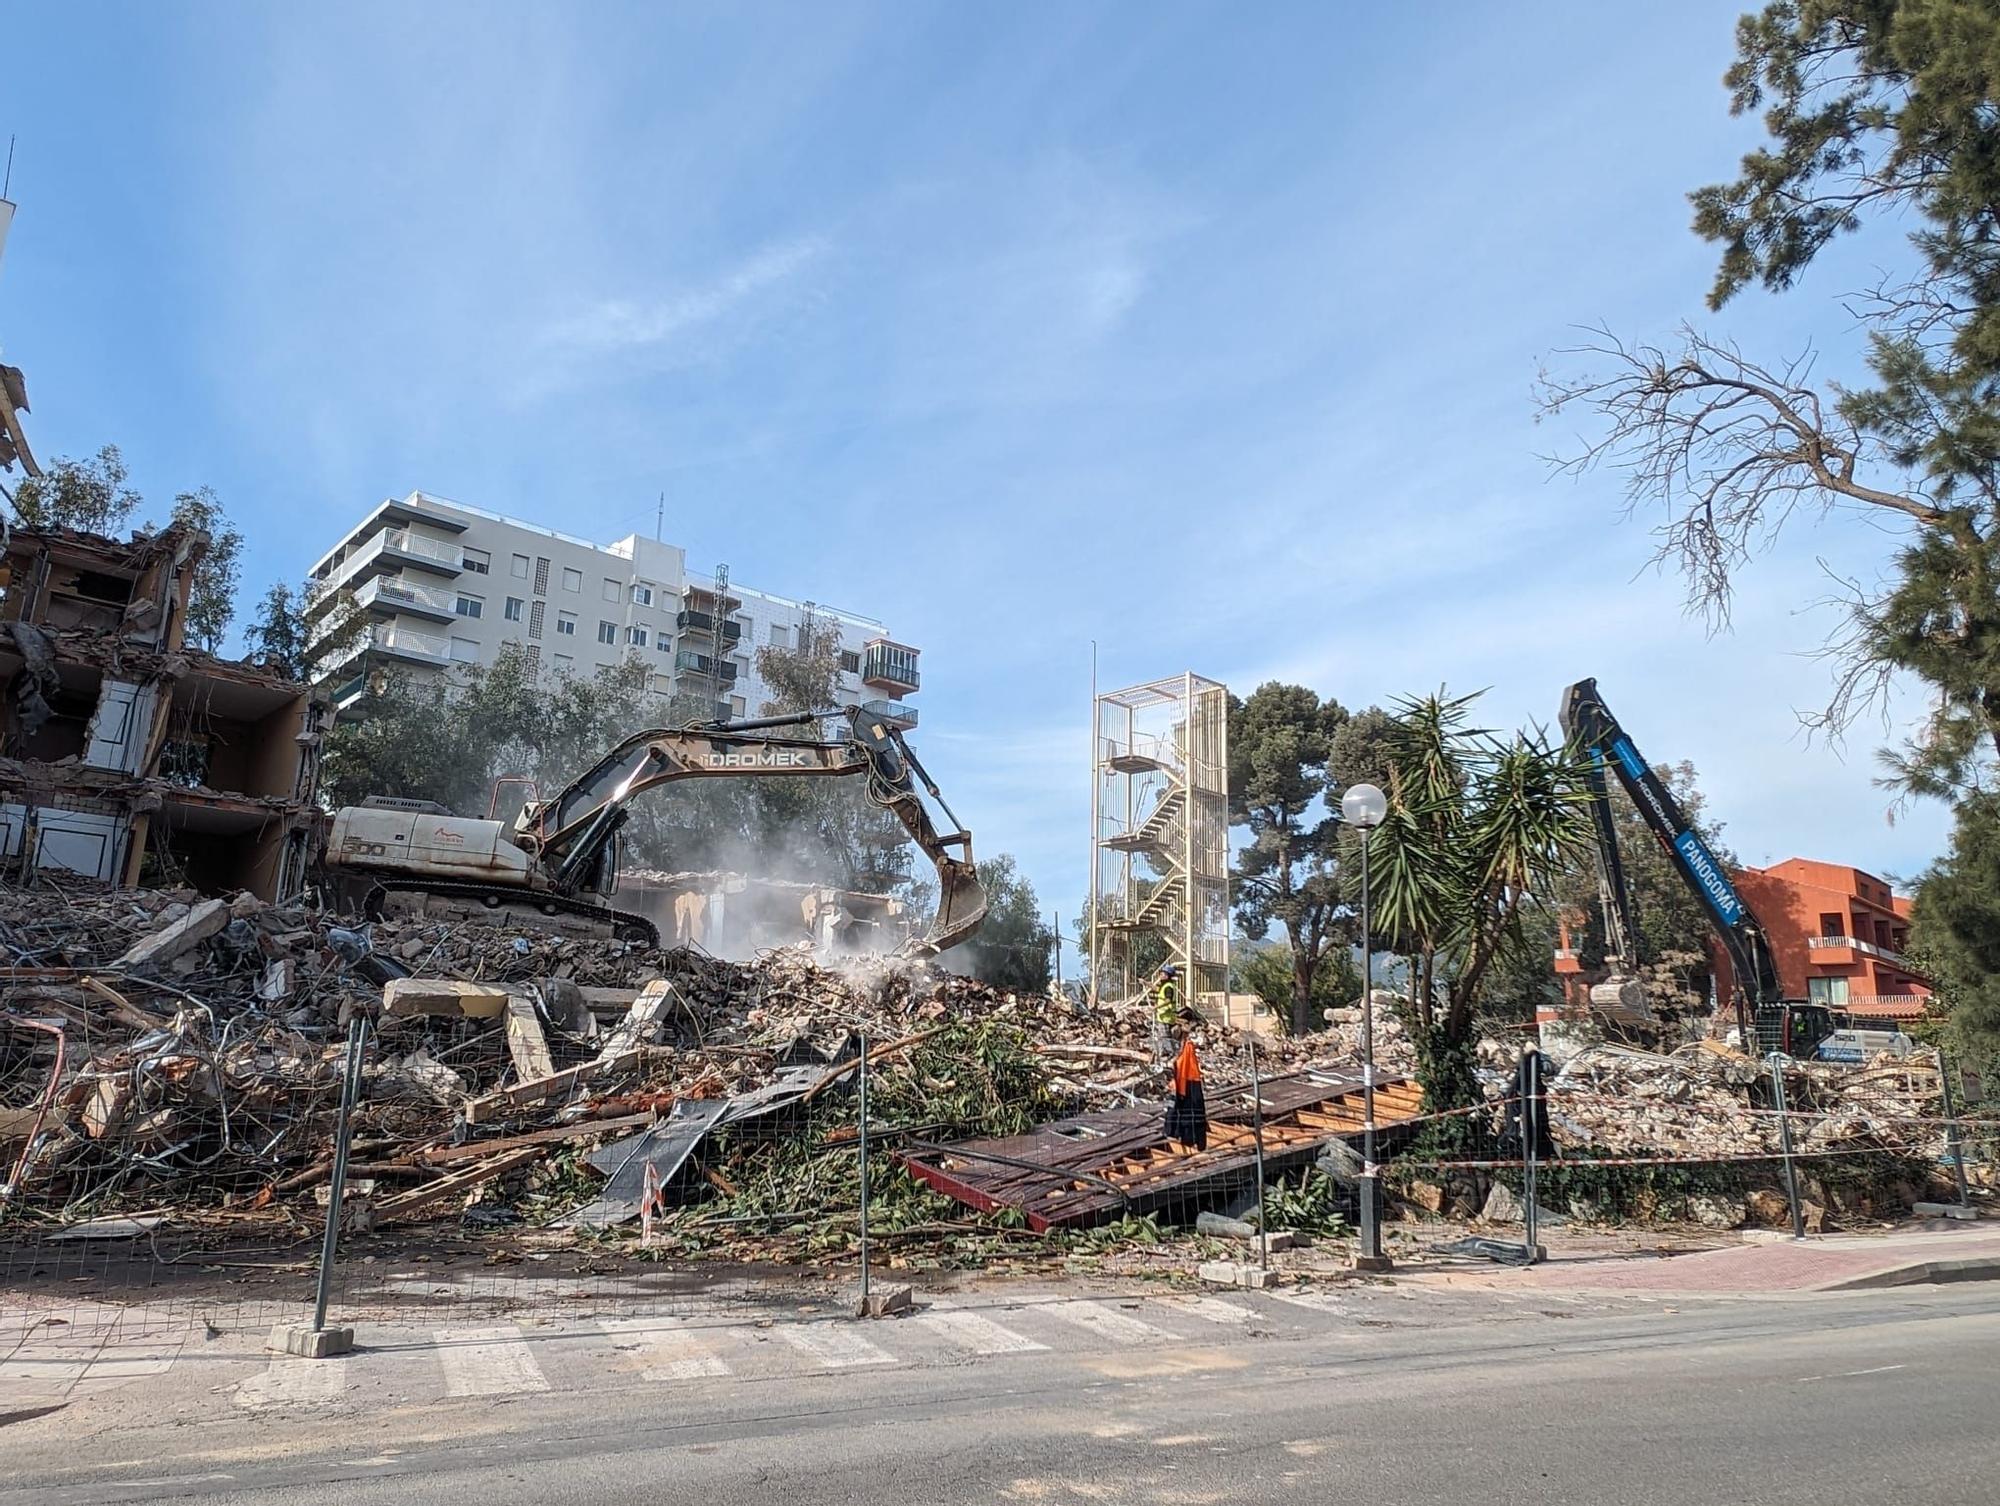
1094	1167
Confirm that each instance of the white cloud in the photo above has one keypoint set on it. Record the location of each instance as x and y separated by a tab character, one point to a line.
620	324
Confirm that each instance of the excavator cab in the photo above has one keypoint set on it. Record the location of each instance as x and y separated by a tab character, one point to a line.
1793	1027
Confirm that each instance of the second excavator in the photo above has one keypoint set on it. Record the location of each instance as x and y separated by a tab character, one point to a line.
560	856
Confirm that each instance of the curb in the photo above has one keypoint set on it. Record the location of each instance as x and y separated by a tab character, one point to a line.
1971	1268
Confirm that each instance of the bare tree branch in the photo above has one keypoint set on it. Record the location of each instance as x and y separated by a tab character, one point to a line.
1730	448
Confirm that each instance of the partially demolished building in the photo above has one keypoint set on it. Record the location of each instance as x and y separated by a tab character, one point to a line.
126	755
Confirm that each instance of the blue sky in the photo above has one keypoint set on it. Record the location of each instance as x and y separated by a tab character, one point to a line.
1204	332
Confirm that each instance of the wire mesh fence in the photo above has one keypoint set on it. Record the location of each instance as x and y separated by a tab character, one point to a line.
560	1127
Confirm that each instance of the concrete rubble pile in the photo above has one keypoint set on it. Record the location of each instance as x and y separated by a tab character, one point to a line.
1709	1101
165	1052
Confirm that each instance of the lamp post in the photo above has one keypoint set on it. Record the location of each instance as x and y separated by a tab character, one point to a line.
1363	807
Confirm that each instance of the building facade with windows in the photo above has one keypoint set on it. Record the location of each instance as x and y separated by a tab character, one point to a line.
1838	934
441	583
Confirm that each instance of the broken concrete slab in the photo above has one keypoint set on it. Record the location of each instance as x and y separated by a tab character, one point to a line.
527	1047
1235	1273
403	997
886	1301
162	946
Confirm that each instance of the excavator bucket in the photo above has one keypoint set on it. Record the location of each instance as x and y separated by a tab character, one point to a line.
961	909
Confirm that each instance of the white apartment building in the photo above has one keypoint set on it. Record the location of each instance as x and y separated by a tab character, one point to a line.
445	584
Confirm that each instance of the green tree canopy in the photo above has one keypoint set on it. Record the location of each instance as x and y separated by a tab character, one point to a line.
90	495
1481	831
1955	927
1014	948
1878	111
1265	969
1281	745
421	740
278	634
212	595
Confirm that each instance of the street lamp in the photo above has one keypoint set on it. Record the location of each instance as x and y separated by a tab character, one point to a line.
1363	807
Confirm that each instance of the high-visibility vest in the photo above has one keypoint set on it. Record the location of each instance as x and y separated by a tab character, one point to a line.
1167	1002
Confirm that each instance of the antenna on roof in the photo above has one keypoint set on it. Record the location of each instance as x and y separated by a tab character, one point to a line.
8	181
660	520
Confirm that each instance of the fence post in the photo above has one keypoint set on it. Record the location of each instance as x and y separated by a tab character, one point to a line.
1777	1061
1954	1142
1257	1126
864	1171
1525	1081
319	1341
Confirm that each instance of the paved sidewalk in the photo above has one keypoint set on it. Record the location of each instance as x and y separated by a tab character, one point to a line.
1830	1263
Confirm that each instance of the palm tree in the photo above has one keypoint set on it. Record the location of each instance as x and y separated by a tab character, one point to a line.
1480	828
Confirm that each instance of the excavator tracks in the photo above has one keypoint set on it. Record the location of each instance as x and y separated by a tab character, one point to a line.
500	902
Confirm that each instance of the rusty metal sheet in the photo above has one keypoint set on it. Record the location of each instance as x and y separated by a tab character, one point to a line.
1093	1167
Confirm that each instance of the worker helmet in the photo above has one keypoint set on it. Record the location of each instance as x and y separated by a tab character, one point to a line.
1167	970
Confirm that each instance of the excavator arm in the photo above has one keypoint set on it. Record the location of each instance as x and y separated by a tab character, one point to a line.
570	834
1589	724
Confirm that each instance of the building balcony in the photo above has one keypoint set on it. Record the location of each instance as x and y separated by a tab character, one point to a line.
1849	949
397	549
891	667
387	594
721	671
388	640
895	713
704	622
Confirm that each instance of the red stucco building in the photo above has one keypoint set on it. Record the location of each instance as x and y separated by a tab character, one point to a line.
1838	934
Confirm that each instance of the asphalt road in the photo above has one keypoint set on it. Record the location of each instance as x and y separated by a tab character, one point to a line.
1838	1401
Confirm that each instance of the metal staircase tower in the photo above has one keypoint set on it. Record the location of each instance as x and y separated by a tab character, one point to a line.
1159	851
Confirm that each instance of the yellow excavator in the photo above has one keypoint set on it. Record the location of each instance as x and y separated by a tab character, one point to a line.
560	857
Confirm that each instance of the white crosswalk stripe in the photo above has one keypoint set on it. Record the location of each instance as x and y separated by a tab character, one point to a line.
1107	1322
487	1361
670	1351
293	1382
971	1331
1214	1309
1319	1302
834	1344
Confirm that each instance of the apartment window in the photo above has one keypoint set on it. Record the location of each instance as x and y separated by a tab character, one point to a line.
512	611
664	643
572	580
737	706
541	576
535	619
1832	925
850	662
642	594
520	567
478	561
564	663
611	591
471	606
465	650
1831	992
607	632
566	624
781	636
661	684
636	635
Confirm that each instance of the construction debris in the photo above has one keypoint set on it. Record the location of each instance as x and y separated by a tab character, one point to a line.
161	1053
